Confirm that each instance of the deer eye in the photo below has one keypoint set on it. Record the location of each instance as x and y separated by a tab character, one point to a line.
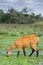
7	52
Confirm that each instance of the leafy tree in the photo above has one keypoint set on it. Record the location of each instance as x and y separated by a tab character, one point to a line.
22	17
5	18
11	10
38	16
32	15
26	10
1	13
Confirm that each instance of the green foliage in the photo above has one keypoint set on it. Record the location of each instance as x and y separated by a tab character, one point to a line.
1	13
13	16
5	18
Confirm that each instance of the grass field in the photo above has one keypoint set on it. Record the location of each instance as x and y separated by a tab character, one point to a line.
9	33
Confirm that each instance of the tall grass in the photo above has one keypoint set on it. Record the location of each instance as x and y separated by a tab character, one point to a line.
22	29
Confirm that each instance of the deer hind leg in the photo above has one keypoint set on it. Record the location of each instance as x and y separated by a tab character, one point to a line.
37	52
32	52
34	48
24	52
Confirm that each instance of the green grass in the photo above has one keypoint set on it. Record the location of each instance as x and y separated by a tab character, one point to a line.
21	60
8	35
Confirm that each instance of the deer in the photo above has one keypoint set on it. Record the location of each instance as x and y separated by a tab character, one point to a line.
24	42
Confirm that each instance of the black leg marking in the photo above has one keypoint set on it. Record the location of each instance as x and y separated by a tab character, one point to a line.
7	56
37	52
32	52
24	52
18	53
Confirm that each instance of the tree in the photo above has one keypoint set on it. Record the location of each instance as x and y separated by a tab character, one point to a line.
1	13
38	16
5	18
32	14
11	10
26	10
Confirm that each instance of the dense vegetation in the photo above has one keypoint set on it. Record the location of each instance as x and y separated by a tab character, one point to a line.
22	17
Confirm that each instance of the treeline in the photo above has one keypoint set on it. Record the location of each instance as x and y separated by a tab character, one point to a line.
22	17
